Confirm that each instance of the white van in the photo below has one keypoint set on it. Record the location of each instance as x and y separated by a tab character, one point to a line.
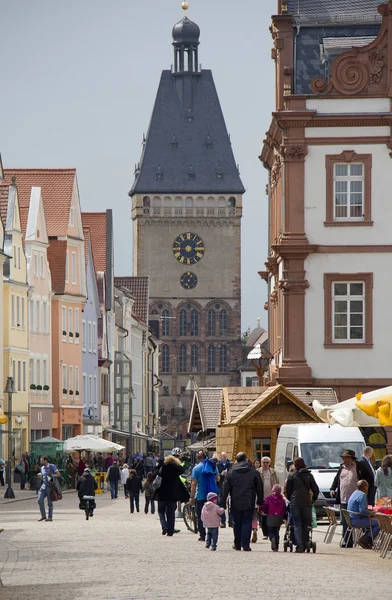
320	445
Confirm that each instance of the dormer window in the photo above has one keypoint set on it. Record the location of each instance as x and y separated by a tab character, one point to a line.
189	116
219	172
174	143
191	173
159	174
208	143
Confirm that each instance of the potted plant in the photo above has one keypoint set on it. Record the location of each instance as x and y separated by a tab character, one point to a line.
33	386
71	392
70	334
64	391
77	393
39	388
64	333
77	334
46	388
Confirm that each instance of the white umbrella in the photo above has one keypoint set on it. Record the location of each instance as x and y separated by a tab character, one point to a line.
347	413
90	443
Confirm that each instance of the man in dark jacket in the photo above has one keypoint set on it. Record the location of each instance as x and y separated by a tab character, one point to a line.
223	466
301	491
245	486
345	483
86	486
134	487
171	491
113	476
366	459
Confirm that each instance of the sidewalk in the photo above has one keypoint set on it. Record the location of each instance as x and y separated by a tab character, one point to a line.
21	495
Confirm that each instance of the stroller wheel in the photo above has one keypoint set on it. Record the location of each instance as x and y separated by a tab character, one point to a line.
314	547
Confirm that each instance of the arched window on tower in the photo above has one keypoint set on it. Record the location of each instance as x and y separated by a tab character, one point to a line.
211	359
194	322
182	359
156	319
165	322
223	359
195	358
183	322
211	322
165	359
146	202
223	322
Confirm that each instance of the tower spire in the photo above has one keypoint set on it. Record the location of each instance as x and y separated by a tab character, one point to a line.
186	41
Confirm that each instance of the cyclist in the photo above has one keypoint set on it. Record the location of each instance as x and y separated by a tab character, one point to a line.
86	487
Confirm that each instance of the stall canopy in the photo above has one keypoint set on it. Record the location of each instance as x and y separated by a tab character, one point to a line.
364	410
90	443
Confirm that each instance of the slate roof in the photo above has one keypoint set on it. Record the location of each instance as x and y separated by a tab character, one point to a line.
139	288
57	258
326	396
187	134
331	43
96	223
210	401
335	11
56	187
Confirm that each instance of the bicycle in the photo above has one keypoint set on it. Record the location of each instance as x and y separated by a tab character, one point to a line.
190	517
87	504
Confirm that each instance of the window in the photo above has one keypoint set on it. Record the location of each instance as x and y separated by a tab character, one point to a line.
38	316
18	257
223	359
211	322
15	257
64	371
19	383
24	376
194	322
211	359
23	313
71	379
71	216
84	345
223	322
64	322
95	392
182	359
195	358
73	268
232	202
45	322
31	307
41	264
45	378
31	371
12	310
349	188
14	371
165	322
183	322
66	267
38	367
77	317
90	337
165	390
165	359
18	311
348	310
35	264
84	391
90	390
70	322
94	337
76	379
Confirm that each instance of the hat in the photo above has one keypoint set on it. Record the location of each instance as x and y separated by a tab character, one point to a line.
349	453
276	489
211	496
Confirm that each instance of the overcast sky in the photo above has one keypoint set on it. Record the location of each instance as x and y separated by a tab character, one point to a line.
79	79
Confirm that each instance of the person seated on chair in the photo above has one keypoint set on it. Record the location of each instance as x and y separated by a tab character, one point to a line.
360	514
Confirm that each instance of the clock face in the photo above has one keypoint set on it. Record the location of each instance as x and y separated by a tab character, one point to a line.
188	280
188	248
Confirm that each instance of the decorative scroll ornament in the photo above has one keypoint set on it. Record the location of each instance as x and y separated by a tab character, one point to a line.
294	286
275	171
295	152
376	59
274	298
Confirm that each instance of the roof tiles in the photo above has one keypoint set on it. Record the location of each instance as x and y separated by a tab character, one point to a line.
96	223
57	259
210	401
139	288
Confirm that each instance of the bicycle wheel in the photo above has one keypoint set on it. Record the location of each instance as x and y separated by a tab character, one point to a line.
188	517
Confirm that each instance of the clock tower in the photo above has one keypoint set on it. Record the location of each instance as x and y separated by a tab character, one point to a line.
186	211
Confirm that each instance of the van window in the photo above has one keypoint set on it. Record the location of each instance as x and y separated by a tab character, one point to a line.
295	453
289	453
326	455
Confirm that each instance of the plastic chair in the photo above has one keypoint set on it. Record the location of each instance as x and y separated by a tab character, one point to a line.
384	539
354	531
332	524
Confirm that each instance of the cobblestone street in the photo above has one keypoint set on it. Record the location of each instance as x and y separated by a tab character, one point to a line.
116	556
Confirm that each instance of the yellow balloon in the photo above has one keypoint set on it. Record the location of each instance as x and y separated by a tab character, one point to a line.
3	418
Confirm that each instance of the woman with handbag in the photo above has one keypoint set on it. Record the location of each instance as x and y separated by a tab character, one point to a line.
170	491
48	472
301	491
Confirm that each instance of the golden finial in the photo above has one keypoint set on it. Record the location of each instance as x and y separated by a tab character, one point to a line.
185	6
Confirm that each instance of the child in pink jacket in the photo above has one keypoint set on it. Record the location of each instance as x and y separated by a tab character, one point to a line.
210	515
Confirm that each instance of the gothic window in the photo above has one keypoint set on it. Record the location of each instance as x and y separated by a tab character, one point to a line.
195	358
232	202
165	359
183	320
211	359
146	202
223	359
182	359
165	322
223	322
194	323
211	322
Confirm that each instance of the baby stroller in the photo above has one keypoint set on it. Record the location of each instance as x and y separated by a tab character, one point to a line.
289	537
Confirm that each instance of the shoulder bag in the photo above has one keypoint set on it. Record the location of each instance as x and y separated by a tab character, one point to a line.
156	484
54	488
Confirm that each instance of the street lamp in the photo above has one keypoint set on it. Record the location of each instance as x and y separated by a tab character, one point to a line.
9	389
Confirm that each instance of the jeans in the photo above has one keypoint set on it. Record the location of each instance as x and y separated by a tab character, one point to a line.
264	526
149	502
126	492
366	524
113	489
23	479
42	494
223	515
242	526
273	534
1	477
212	536
167	515
302	520
199	508
147	470
134	500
